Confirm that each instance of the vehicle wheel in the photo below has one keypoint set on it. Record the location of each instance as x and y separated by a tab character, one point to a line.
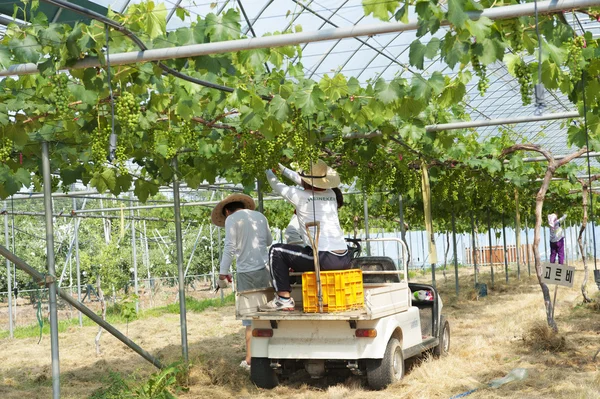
444	337
262	374
383	372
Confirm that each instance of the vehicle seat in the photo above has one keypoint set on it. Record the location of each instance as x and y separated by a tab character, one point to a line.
376	263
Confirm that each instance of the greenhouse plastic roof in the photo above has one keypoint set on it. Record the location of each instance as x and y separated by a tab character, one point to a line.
381	56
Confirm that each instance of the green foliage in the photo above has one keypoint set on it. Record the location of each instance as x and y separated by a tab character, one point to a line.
158	386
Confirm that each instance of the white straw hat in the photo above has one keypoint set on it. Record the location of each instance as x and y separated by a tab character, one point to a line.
217	217
320	176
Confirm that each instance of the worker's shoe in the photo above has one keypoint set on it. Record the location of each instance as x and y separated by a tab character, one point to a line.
277	304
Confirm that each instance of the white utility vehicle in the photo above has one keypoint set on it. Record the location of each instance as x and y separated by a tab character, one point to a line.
374	340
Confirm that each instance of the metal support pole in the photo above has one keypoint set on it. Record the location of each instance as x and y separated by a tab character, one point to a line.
504	240
259	190
473	249
366	209
8	278
527	245
545	244
489	223
134	255
518	234
455	253
77	264
179	245
402	230
51	271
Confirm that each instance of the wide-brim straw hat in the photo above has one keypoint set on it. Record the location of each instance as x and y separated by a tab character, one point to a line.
217	217
320	176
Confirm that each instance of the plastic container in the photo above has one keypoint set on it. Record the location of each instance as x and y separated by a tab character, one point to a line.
342	290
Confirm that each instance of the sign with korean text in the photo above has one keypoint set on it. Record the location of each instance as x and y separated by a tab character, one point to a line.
553	273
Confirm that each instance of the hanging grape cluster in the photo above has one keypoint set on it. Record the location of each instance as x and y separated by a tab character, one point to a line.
100	143
60	94
516	35
162	136
304	151
6	146
576	46
257	154
187	133
523	74
480	71
120	158
128	111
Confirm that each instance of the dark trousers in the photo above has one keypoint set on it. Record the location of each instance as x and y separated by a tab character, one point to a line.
283	257
557	248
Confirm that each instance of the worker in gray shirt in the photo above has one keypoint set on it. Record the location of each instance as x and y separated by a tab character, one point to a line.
247	238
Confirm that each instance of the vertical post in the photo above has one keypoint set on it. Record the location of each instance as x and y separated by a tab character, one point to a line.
77	264
179	245
527	249
134	254
8	278
220	254
505	254
545	243
489	223
212	259
51	271
455	253
473	249
402	231
259	191
426	192
423	249
366	209
518	234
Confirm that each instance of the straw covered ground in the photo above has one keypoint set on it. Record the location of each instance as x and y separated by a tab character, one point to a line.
489	337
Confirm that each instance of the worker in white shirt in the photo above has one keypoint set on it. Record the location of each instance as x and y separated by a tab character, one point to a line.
247	237
316	203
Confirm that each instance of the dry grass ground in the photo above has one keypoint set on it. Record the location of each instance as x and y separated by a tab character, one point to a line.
490	337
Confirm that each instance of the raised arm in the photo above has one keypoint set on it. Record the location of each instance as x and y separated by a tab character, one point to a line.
289	193
562	219
291	174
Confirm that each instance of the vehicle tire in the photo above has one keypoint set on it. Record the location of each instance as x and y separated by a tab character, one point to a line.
390	369
262	374
444	337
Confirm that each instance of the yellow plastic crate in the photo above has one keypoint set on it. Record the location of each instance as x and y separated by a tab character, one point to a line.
342	290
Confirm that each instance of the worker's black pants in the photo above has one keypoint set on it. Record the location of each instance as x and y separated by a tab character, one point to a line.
283	257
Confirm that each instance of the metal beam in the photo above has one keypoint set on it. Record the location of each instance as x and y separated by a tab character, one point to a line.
195	50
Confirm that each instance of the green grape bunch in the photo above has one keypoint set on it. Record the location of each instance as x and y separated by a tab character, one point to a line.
516	39
100	143
121	158
187	132
480	71
128	111
575	57
523	75
6	146
60	95
161	136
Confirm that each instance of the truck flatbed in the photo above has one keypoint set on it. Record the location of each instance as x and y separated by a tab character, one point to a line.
380	300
